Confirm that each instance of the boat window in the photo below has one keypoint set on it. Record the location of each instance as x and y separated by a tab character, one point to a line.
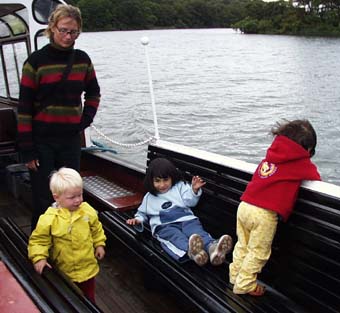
23	14
16	25
4	30
14	56
42	40
42	9
2	83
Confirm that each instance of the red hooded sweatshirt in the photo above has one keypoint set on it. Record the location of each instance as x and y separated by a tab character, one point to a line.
276	181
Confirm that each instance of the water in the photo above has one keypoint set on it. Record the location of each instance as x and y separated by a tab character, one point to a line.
218	90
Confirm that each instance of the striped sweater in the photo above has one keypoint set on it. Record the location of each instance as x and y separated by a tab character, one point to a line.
52	112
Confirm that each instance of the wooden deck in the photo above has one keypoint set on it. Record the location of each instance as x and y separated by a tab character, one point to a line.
120	284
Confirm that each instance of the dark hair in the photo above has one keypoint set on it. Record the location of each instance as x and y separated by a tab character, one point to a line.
300	131
161	168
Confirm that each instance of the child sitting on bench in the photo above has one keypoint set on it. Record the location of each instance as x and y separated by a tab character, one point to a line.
167	207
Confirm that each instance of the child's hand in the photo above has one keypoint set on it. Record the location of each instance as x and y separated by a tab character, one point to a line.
99	252
196	183
40	265
133	221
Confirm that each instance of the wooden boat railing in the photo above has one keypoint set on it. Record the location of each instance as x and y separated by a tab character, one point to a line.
302	274
51	291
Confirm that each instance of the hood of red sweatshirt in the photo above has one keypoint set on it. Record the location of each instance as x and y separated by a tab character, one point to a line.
284	150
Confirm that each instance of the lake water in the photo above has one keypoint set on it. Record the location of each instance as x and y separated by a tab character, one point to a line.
217	90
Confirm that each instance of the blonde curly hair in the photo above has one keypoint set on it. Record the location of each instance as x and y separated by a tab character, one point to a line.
62	11
63	179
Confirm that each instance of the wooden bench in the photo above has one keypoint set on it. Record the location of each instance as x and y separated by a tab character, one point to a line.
303	273
51	291
116	196
110	185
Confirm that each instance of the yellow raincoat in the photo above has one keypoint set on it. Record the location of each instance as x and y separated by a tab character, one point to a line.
68	239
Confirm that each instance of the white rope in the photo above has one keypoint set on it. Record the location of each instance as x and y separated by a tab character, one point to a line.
145	42
125	145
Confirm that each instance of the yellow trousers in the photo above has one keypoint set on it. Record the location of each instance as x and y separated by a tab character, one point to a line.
256	229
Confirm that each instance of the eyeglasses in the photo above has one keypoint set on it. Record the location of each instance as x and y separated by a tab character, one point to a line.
65	32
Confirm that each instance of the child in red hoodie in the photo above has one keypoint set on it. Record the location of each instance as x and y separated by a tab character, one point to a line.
270	194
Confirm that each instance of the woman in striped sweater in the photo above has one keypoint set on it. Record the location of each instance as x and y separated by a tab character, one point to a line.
51	114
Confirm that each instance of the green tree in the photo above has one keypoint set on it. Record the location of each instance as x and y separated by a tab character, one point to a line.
96	14
166	15
248	25
252	16
136	14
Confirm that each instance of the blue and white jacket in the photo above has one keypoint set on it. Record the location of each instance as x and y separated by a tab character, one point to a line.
169	207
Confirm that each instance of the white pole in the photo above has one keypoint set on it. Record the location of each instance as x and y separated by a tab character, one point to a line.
145	42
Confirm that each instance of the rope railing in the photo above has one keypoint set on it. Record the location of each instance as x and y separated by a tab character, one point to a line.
145	42
124	145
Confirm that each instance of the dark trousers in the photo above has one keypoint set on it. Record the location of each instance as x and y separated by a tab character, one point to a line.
88	287
51	156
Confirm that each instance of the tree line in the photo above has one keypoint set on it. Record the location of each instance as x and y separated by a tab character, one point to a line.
319	17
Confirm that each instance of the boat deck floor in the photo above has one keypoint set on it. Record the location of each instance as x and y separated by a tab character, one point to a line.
120	283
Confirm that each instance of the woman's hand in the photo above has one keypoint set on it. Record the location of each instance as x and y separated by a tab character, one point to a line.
133	221
32	165
196	183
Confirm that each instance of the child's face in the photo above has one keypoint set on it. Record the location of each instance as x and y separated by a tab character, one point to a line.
162	185
70	198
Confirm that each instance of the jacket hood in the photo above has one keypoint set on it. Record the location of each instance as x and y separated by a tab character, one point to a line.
64	212
284	149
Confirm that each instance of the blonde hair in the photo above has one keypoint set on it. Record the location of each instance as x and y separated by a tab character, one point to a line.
63	179
62	11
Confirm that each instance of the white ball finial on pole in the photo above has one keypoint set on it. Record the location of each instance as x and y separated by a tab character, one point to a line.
145	42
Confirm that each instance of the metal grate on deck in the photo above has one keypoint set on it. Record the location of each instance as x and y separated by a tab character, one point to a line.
104	188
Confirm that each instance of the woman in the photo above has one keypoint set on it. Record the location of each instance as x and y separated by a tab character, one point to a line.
50	112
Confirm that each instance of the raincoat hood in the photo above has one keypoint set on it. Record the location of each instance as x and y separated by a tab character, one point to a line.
277	179
284	150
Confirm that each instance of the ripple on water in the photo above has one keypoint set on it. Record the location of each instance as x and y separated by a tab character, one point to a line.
218	90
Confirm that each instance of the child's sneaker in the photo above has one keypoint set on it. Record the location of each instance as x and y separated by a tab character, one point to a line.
219	249
196	251
201	258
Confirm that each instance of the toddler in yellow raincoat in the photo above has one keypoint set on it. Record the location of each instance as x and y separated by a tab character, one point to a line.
69	233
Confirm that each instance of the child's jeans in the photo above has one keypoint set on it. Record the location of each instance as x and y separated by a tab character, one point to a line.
174	237
256	229
88	288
